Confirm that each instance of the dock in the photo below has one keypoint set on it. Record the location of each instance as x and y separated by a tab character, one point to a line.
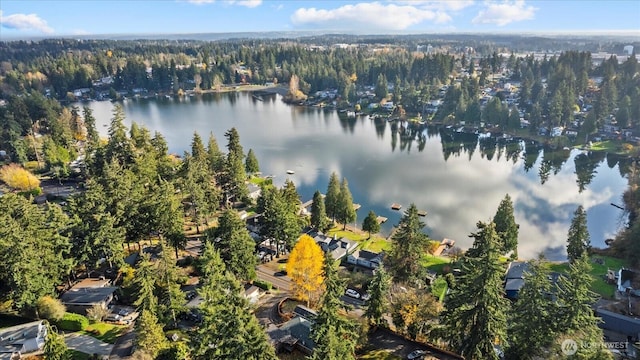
356	207
381	219
422	213
395	206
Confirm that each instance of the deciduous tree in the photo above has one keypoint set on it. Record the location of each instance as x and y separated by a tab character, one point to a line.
19	178
305	268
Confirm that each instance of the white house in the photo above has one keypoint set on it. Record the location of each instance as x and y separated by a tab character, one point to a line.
22	339
366	259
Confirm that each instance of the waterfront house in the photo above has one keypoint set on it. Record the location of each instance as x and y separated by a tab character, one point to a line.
367	259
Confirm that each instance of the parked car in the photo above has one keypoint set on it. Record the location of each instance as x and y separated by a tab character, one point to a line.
416	355
352	293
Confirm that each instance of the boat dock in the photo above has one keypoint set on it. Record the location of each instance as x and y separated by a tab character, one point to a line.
381	219
422	213
356	207
395	206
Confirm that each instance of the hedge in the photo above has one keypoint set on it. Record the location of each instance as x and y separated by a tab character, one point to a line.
264	285
73	322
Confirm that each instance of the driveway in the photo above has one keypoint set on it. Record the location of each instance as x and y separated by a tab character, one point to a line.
123	346
87	344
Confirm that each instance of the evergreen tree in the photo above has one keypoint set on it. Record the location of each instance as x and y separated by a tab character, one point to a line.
578	242
54	347
150	337
332	198
119	147
319	218
475	316
235	169
345	212
145	283
278	221
215	157
170	295
228	329
371	224
335	337
251	163
378	291
506	226
576	319
235	245
409	243
534	324
95	234
198	151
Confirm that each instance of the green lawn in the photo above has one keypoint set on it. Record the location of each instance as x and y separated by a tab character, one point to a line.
376	244
439	288
599	285
337	231
257	180
612	146
108	333
434	263
378	355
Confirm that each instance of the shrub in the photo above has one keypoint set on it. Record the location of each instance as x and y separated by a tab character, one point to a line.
19	178
97	313
73	322
264	285
50	308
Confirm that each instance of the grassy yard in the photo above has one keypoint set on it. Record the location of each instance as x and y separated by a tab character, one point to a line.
108	333
613	146
378	355
434	263
376	244
439	288
598	271
355	236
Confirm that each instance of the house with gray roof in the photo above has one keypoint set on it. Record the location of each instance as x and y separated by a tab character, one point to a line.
79	300
338	248
19	340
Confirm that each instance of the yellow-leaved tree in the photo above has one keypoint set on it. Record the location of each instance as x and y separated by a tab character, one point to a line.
305	270
19	178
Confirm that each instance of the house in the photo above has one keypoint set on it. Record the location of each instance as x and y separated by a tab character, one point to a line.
305	312
18	340
293	334
366	259
254	191
79	300
338	248
251	293
514	279
621	324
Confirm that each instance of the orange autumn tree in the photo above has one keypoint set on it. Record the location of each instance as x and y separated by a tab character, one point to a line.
19	178
305	270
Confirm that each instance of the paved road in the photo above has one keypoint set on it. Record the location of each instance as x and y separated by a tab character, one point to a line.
266	274
87	344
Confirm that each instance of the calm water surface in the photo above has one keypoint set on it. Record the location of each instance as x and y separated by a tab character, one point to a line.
457	183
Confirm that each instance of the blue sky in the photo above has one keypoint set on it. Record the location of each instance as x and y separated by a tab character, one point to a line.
51	18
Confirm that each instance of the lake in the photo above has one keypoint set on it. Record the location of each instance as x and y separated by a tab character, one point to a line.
459	179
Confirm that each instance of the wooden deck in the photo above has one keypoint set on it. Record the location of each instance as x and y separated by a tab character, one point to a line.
395	206
422	213
381	219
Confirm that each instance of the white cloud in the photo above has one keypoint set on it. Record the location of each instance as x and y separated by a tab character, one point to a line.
443	5
25	22
375	16
505	12
245	3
